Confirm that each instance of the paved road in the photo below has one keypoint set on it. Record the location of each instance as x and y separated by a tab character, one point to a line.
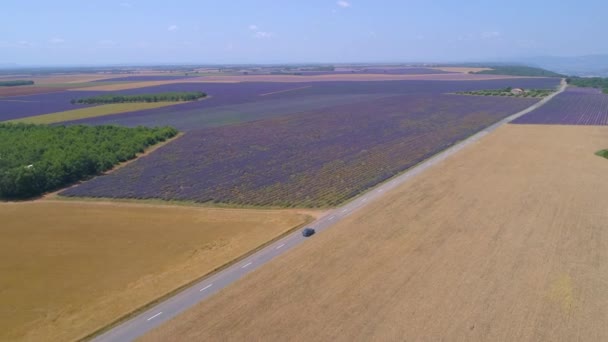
182	301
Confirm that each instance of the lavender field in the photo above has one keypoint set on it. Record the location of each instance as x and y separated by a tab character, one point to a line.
18	107
311	159
575	106
231	103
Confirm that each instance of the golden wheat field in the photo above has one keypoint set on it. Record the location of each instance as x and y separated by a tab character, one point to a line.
504	241
70	268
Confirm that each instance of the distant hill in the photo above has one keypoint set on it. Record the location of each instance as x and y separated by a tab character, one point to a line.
591	65
518	70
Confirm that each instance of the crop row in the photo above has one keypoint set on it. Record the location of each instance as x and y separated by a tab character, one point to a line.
575	106
316	158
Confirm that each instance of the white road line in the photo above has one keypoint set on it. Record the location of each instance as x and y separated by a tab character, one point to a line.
332	217
246	265
279	246
206	287
158	314
345	210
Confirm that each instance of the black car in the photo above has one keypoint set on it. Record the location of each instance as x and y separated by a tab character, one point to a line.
308	232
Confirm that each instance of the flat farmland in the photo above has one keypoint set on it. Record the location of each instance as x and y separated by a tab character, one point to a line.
91	112
504	241
24	106
317	158
28	90
69	268
230	103
575	106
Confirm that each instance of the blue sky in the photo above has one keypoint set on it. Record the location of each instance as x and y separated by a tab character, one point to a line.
59	32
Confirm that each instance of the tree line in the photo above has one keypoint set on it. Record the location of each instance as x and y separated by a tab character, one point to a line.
15	83
35	159
160	97
518	70
591	82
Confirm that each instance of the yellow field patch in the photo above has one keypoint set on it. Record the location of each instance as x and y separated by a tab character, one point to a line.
506	240
90	112
464	70
70	268
128	85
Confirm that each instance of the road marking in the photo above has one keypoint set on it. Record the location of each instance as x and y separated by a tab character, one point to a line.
345	210
365	199
246	265
332	217
206	287
281	245
158	314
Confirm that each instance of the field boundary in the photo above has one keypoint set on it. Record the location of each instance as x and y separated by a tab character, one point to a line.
55	194
456	146
171	293
131	328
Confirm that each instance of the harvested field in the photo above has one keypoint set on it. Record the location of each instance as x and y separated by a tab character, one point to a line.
27	90
315	158
70	268
504	241
575	106
91	112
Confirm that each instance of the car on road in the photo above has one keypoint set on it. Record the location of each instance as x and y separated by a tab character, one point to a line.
308	232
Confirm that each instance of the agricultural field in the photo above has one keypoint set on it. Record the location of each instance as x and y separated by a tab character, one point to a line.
504	241
40	158
50	102
143	78
91	112
231	103
28	90
575	106
69	269
316	158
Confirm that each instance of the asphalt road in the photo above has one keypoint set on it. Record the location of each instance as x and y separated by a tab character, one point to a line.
164	311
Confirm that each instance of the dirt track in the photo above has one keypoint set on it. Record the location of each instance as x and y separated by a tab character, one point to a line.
504	241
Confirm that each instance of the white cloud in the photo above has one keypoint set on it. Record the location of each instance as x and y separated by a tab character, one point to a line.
263	35
343	4
56	40
490	34
253	27
126	4
173	28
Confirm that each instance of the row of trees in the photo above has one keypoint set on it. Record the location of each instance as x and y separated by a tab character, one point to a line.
518	70
508	92
160	97
35	159
15	83
594	82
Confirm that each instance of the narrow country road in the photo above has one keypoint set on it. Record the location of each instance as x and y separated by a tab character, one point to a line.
168	309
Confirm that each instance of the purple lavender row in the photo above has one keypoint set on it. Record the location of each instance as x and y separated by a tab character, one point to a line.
242	101
316	158
575	106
